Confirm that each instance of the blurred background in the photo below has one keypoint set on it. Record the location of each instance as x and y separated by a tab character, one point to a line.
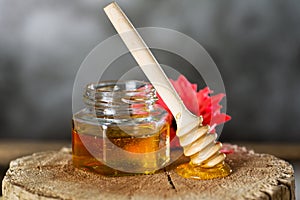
255	44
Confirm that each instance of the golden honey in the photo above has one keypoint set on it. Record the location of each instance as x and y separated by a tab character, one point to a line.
189	170
91	151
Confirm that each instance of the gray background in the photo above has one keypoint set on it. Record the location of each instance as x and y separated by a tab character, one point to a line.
255	44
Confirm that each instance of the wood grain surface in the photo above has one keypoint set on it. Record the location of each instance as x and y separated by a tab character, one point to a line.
50	175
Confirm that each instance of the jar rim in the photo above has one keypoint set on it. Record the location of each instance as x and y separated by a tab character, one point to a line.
112	86
119	95
116	101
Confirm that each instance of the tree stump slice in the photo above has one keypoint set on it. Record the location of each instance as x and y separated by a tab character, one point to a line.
50	175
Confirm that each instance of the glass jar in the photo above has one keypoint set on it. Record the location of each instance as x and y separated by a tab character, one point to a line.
121	130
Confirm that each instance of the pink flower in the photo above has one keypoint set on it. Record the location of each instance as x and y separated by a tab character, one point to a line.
199	103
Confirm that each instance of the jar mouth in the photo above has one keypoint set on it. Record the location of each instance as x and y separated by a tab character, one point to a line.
119	86
119	96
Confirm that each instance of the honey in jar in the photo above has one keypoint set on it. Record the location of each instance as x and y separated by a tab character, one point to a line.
121	131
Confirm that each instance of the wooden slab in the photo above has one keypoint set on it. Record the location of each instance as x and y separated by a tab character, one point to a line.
50	175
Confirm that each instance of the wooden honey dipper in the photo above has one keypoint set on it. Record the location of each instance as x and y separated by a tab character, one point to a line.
207	162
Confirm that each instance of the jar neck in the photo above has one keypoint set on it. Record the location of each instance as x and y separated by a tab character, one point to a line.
112	99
